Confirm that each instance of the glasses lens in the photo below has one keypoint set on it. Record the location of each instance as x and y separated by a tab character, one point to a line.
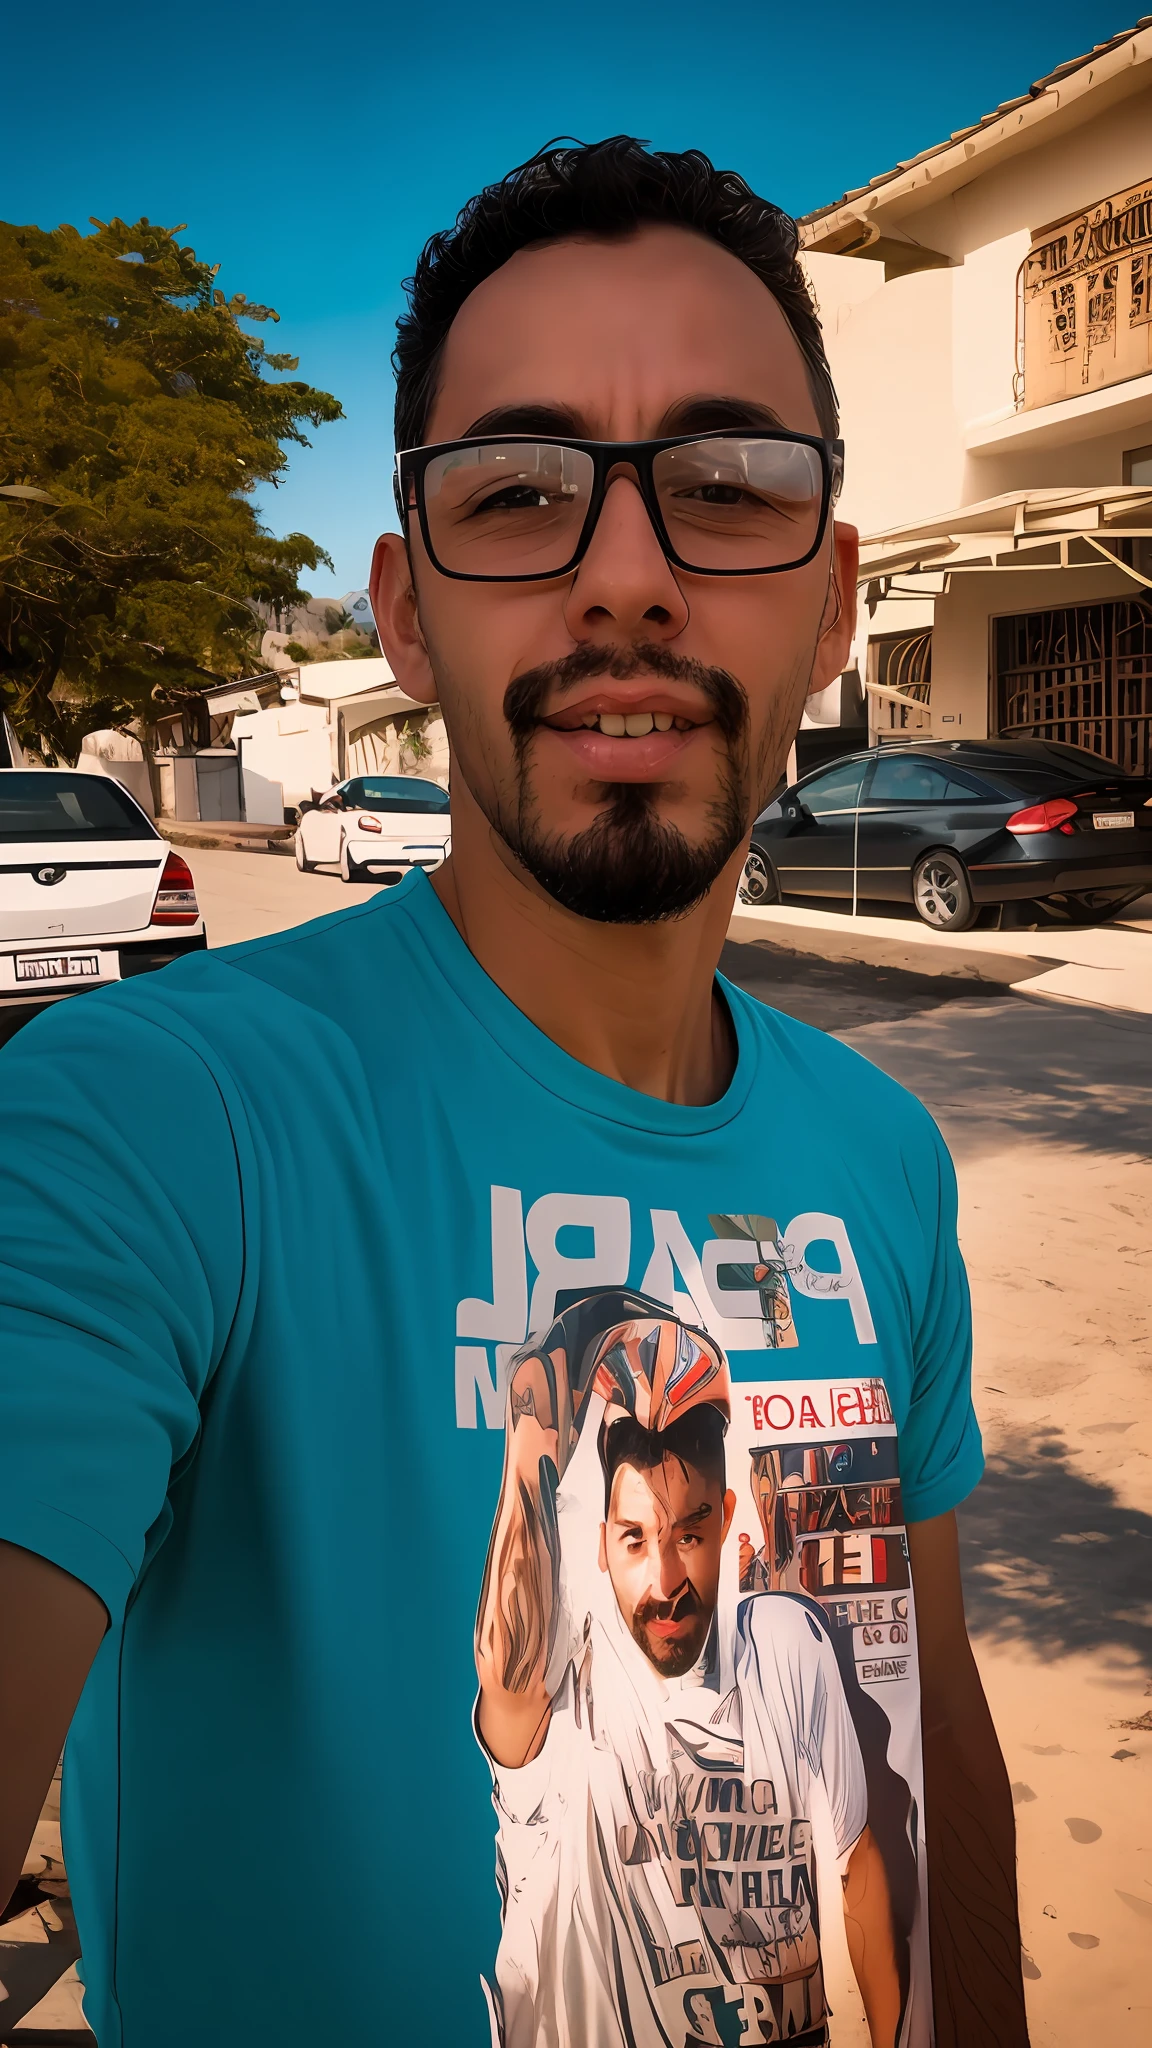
741	503
507	508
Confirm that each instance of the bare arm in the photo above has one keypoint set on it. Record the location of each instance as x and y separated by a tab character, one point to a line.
871	1941
518	1600
978	1990
50	1629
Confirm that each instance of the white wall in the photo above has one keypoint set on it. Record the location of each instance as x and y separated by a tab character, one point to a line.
289	744
918	360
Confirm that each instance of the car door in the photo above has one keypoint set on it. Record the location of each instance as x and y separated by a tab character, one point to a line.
813	853
911	802
320	828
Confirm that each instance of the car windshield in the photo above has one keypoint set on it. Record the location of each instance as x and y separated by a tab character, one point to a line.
394	793
39	805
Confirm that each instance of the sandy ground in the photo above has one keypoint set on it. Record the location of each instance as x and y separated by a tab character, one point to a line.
1048	1112
1047	1108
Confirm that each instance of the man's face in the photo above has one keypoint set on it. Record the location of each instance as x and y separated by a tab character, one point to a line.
660	1546
658	334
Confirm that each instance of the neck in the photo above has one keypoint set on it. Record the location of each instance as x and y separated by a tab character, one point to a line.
635	1002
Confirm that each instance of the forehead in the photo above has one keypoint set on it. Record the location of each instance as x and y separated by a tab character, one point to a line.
639	1496
620	332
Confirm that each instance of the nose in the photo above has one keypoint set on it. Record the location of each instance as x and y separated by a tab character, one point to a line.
669	1572
624	588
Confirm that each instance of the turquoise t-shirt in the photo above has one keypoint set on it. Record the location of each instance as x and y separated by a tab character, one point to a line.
274	1225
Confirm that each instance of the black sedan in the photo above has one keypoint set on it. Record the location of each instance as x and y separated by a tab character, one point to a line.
952	825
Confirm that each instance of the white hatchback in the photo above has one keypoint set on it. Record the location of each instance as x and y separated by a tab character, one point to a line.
89	891
376	828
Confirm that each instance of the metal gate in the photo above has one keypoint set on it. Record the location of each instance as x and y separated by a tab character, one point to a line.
901	661
1081	674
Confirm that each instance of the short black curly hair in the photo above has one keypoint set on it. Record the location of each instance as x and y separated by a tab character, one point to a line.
596	188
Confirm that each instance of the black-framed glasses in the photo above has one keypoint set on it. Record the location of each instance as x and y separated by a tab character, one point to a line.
520	509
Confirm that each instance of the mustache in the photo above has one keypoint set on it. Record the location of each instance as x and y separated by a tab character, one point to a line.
524	698
682	1604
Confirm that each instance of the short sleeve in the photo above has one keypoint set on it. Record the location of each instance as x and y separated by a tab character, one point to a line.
121	1258
841	1764
941	1456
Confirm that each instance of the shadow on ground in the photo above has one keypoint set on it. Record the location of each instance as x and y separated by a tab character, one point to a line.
1020	1067
839	995
990	1067
1053	1560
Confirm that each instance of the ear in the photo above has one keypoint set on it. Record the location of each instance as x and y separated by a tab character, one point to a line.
603	1559
393	596
729	1511
838	625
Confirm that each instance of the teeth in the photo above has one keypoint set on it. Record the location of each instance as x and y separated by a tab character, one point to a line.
634	725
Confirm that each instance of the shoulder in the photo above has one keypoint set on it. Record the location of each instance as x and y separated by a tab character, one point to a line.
786	1622
815	1080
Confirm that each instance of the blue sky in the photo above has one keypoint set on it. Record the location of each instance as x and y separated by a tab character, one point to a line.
311	150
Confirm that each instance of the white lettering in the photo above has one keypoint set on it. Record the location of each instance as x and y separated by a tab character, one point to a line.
607	1217
844	1284
505	1317
474	1376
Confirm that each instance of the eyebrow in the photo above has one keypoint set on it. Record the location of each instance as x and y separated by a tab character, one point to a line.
702	413
711	409
699	1514
535	416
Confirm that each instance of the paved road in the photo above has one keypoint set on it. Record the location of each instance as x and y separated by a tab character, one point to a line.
248	895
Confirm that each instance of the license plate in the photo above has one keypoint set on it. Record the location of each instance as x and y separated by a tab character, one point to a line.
1114	821
51	967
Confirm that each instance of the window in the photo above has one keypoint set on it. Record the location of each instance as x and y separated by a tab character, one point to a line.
1138	466
838	790
36	806
902	779
394	793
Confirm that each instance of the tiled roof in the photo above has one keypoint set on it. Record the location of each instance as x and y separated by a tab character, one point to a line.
1042	85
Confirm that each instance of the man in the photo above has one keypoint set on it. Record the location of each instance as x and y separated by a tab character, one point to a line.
250	1407
655	1802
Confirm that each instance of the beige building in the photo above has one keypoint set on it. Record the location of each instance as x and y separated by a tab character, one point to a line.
988	314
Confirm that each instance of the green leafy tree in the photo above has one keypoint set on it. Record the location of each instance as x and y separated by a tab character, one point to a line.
137	418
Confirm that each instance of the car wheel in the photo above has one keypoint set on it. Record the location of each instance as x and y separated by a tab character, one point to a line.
350	870
758	883
941	892
306	867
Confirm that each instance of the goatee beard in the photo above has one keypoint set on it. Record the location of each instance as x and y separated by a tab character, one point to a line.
629	866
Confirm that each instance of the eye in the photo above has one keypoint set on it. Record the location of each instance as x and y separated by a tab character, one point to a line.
720	494
514	498
689	1541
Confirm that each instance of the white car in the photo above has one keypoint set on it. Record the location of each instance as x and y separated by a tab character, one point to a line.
89	891
375	828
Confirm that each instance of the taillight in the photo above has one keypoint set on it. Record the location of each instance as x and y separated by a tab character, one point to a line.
370	824
176	897
1050	817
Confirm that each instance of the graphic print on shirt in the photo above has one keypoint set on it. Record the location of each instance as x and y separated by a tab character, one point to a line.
696	1652
738	1284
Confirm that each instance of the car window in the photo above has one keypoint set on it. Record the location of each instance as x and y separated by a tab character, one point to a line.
906	779
38	805
837	790
394	793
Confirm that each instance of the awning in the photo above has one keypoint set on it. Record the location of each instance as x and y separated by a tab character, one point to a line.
1032	529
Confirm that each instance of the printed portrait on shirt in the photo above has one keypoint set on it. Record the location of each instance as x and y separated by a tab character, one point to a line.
670	1712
